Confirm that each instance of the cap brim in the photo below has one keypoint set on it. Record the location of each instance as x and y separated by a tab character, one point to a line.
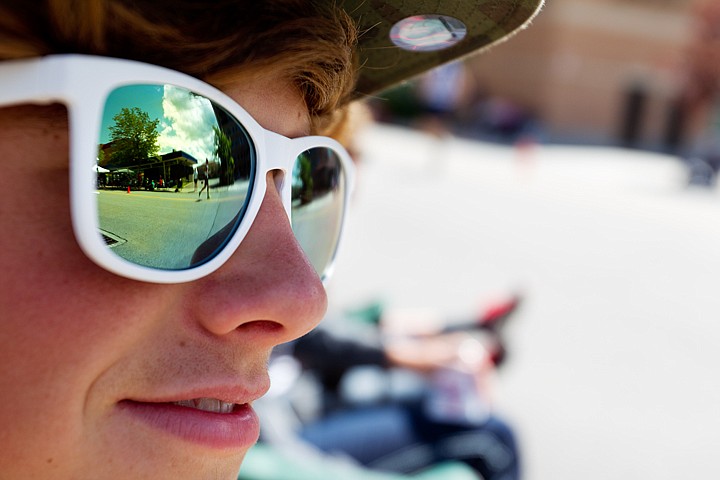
384	64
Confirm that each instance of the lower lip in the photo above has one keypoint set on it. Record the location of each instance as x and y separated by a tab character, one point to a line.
237	430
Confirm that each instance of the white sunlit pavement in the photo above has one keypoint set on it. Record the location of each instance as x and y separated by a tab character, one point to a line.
612	358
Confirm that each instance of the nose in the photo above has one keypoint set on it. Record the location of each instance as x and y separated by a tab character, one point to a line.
268	292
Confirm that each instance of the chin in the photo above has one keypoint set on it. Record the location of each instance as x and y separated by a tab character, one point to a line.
172	468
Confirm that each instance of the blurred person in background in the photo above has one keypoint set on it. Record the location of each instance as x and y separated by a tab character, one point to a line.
440	411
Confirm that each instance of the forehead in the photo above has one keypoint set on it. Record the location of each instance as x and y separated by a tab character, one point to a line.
272	101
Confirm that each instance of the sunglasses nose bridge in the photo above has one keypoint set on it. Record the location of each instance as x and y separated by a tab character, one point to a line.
278	150
279	159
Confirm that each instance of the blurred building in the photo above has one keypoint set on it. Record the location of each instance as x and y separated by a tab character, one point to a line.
600	71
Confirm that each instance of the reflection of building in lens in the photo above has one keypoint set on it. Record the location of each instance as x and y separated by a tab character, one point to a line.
241	148
316	173
326	169
166	169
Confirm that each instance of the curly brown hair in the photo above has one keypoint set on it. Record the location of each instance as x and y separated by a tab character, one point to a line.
311	43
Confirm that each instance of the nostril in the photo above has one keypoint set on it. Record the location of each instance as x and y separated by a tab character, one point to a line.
264	327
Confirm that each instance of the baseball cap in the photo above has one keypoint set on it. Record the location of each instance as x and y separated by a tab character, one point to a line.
400	39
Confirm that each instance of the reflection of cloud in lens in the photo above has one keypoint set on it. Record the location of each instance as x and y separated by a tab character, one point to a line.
187	124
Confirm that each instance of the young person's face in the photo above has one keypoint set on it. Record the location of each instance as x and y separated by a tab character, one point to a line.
90	362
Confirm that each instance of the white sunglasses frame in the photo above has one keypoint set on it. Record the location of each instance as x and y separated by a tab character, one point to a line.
83	82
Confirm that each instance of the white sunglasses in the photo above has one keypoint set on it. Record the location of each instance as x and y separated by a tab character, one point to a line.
140	133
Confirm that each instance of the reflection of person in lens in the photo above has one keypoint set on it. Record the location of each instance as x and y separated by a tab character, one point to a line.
205	187
111	378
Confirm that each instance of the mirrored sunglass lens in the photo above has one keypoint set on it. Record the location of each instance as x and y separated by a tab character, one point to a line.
318	203
174	176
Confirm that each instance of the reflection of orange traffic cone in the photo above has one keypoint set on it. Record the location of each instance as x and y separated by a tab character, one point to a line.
128	188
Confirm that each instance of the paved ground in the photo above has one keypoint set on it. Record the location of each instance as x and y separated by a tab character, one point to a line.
614	356
141	219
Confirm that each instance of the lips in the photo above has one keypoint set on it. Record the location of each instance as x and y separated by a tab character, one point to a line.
205	421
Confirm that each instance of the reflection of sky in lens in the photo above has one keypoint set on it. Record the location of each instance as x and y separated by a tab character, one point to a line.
186	120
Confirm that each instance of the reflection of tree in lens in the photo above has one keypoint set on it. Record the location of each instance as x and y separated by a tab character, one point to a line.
134	136
223	151
305	178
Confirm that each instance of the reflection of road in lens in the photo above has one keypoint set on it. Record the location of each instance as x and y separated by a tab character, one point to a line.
317	226
163	229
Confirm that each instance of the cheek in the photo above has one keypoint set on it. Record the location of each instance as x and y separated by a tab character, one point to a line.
59	309
56	304
50	291
64	323
46	272
63	319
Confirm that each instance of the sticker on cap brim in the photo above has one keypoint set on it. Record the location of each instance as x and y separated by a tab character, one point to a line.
426	33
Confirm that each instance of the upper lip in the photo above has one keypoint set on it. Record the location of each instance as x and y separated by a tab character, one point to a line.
238	392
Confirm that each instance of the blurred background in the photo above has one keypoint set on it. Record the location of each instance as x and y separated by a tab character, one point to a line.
575	164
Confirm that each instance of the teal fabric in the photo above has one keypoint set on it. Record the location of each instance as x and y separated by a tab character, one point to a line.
264	463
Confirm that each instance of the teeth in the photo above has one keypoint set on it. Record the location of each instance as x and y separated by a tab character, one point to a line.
207	405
